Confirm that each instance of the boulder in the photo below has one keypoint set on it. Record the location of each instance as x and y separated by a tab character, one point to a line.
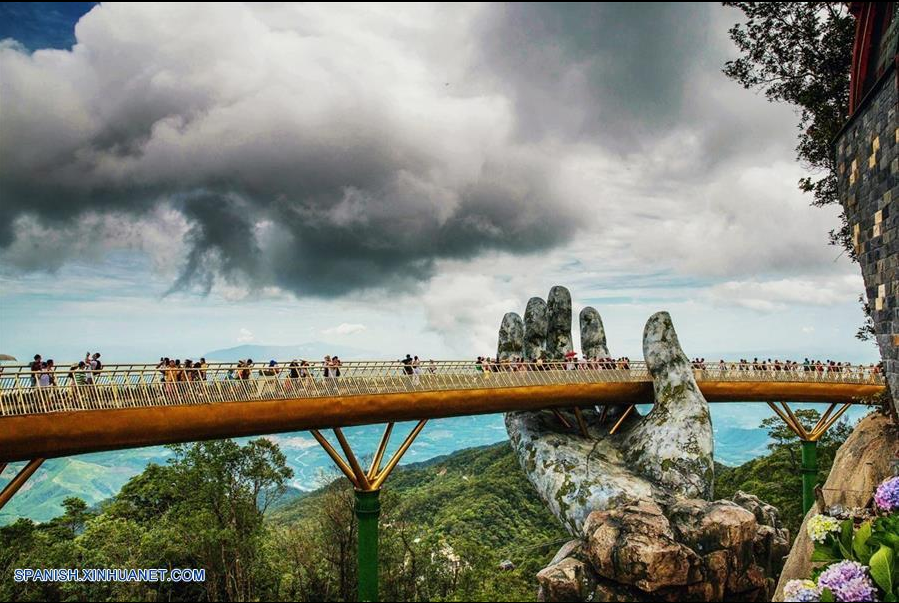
690	550
567	580
708	527
764	513
635	545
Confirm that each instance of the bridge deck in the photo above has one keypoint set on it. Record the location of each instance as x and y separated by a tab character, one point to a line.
131	406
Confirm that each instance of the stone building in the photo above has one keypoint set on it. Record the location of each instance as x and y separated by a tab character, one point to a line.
867	155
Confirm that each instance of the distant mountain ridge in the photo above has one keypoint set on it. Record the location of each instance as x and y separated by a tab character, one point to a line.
312	351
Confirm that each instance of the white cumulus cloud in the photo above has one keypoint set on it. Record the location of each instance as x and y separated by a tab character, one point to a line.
345	328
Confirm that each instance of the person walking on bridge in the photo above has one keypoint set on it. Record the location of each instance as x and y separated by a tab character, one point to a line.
171	376
35	369
416	371
293	377
329	370
162	367
268	376
96	367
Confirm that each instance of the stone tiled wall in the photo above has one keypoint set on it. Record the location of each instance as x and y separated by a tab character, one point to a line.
867	155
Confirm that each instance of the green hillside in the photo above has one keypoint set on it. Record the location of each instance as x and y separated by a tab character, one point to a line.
91	477
478	495
41	496
447	526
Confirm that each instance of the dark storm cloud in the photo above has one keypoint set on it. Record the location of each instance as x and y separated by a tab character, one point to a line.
220	240
289	171
324	159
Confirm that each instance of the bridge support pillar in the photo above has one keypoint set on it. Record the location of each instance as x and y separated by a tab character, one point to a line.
367	485
808	439
368	510
809	473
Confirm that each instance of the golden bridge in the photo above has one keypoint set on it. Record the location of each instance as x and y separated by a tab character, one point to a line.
130	406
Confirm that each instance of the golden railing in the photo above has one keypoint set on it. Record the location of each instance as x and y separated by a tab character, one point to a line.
141	385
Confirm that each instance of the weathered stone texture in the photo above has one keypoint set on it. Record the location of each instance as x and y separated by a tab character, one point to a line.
867	156
558	335
673	446
693	550
593	335
667	453
511	337
535	328
637	502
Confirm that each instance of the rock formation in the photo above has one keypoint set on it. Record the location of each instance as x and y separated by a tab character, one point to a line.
669	450
638	502
692	551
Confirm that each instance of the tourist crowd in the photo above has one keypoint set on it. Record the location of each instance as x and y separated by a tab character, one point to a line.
570	362
44	373
815	366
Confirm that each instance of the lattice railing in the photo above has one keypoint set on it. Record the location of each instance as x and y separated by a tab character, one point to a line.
127	386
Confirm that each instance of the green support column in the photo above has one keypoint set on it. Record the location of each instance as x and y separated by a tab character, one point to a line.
809	473
368	509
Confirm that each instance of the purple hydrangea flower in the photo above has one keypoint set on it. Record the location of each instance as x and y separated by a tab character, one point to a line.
887	495
849	581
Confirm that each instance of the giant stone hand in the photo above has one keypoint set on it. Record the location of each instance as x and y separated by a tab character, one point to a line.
639	501
666	454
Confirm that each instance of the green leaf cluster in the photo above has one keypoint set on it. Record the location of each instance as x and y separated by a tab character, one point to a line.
874	543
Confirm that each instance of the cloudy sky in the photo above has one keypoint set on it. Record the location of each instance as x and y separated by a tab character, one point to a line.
393	178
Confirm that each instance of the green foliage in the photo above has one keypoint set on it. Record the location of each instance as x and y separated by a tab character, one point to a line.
445	527
860	549
848	544
204	509
886	531
800	53
883	571
884	563
872	544
775	478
